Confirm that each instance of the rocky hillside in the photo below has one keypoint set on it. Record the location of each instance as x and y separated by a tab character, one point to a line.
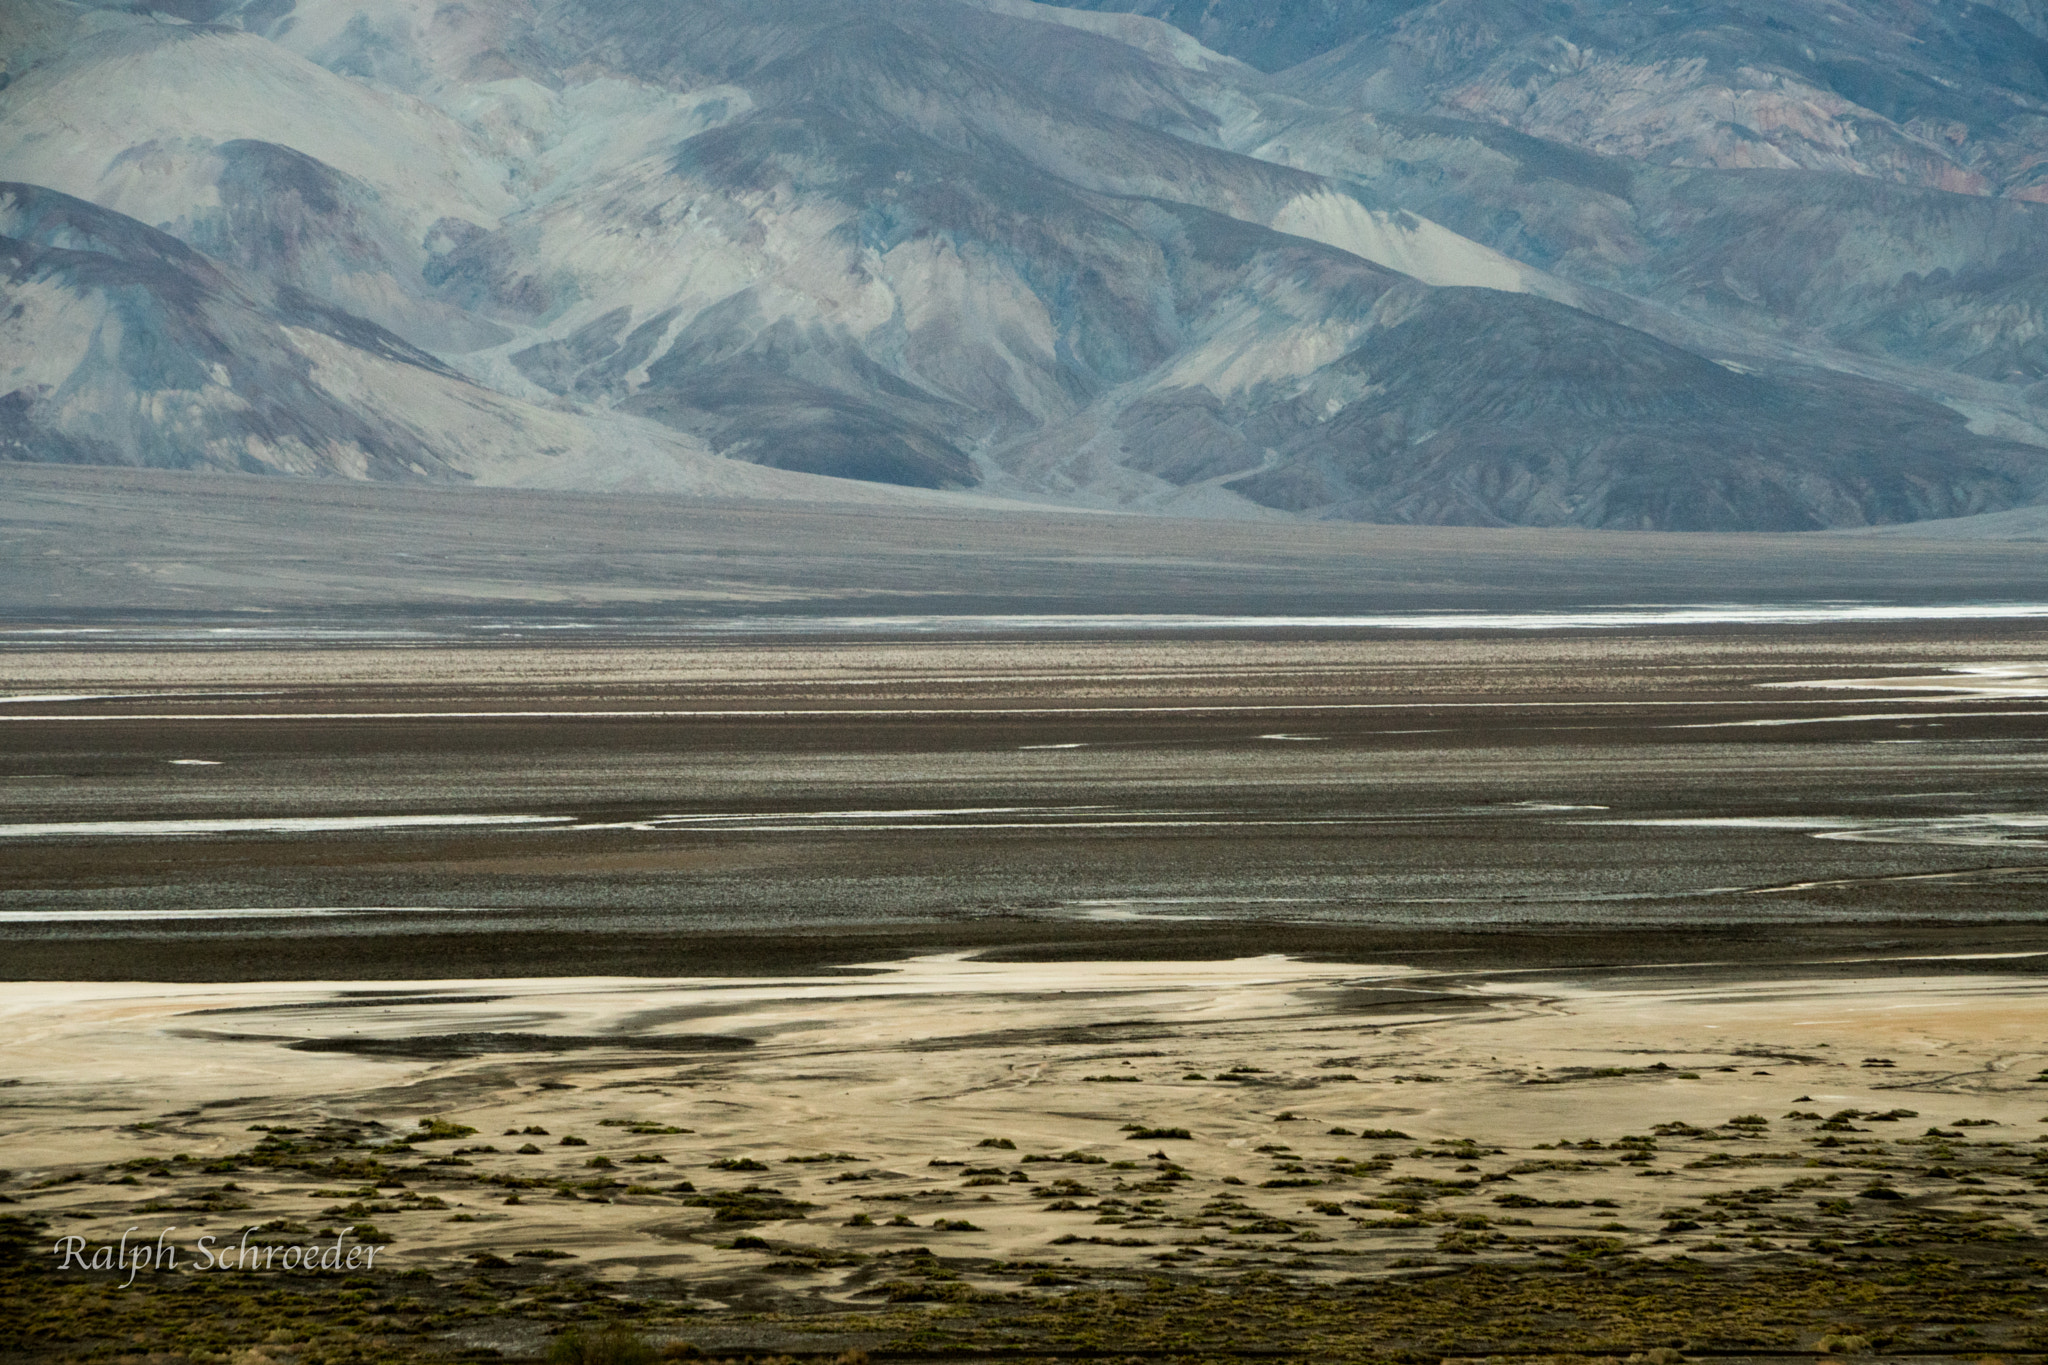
1466	262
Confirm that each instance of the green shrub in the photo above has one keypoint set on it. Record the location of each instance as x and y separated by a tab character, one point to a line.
602	1346
438	1130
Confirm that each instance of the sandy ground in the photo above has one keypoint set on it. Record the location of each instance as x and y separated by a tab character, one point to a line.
880	1092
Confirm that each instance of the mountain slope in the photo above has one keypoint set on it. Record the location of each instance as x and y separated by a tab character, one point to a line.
1474	407
1423	260
1946	96
127	347
1954	284
1479	408
145	352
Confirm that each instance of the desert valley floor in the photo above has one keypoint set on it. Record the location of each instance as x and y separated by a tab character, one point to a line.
1179	994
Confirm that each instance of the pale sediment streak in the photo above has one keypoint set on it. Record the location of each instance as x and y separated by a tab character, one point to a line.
1976	830
923	712
234	912
1623	616
765	822
1984	830
723	822
51	698
299	824
966	818
1956	682
1596	618
1857	718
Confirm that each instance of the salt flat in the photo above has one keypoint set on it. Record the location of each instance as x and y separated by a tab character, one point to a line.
630	805
1664	973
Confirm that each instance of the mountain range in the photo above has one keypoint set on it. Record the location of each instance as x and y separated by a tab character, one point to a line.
1703	265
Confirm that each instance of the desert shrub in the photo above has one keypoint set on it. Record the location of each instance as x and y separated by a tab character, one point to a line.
438	1130
602	1346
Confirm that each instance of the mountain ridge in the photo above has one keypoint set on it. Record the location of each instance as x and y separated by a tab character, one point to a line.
1062	255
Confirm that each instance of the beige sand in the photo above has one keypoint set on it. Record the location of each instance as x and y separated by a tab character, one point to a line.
906	1063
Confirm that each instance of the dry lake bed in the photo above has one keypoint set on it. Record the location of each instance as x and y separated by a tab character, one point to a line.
1169	990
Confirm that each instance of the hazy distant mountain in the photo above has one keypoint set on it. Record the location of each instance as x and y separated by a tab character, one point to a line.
1714	265
1944	95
